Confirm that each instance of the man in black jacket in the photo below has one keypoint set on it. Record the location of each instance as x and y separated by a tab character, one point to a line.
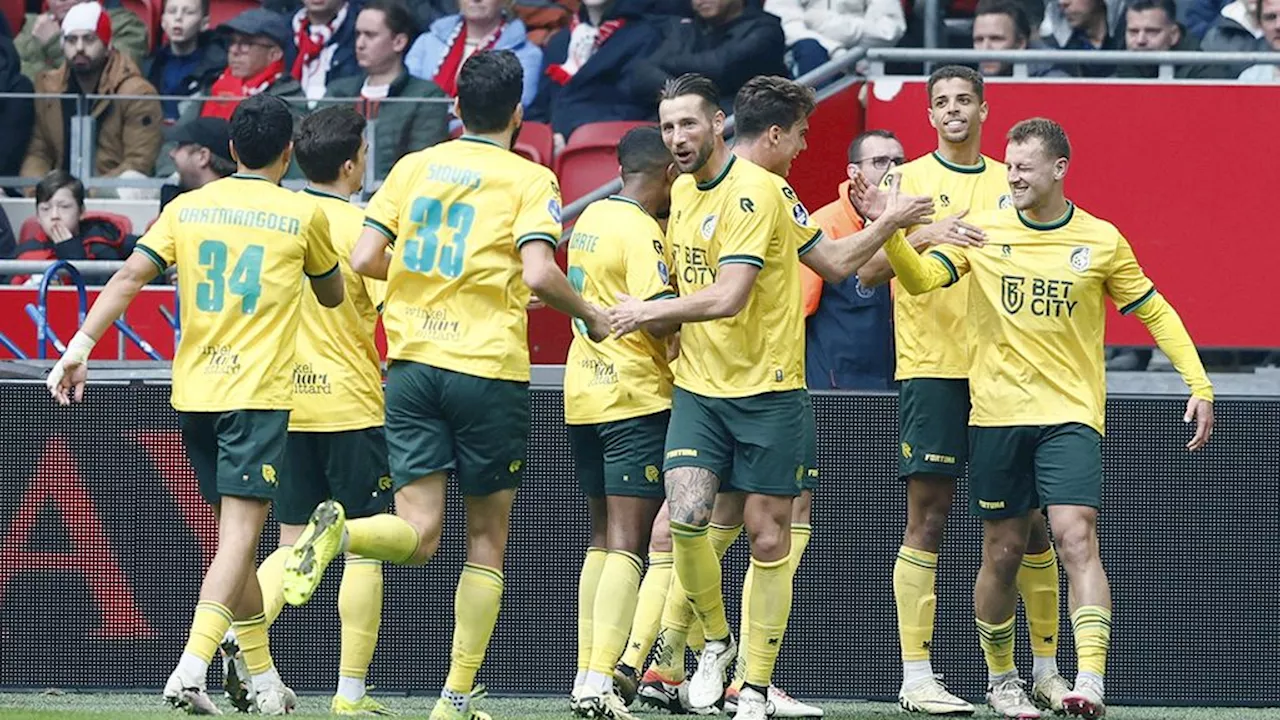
729	41
17	115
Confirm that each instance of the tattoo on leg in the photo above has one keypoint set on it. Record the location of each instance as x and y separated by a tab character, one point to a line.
691	495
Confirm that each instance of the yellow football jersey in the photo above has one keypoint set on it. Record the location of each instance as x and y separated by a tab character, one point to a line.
242	245
927	328
337	374
741	216
457	214
1037	315
616	247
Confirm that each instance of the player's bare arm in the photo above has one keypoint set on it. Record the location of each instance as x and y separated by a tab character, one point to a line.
66	379
724	298
836	260
549	283
370	257
329	289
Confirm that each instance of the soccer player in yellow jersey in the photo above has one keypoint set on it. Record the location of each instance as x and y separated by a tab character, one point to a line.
336	447
241	245
739	398
1036	319
472	228
934	401
617	401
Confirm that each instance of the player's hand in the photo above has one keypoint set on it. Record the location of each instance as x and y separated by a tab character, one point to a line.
598	326
905	210
869	198
953	230
1199	411
66	381
628	315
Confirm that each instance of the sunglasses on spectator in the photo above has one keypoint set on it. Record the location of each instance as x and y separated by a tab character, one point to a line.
880	162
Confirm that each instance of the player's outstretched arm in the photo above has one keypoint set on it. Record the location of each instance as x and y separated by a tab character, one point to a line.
1171	336
724	298
836	260
951	230
66	379
918	274
370	257
549	283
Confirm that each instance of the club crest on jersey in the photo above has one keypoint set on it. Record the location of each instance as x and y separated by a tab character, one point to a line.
1080	259
1005	201
708	227
663	273
553	207
800	215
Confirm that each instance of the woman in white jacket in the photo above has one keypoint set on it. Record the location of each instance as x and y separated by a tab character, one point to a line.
820	30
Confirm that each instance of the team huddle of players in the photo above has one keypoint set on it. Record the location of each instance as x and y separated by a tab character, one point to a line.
684	388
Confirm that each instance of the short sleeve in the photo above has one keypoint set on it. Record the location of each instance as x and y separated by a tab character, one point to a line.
538	217
951	257
748	225
797	228
1128	286
383	212
321	259
648	269
159	244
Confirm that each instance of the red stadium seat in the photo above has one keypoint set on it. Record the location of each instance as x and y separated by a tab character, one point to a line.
14	12
221	11
590	159
536	142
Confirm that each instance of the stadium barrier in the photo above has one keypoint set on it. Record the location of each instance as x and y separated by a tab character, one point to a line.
103	539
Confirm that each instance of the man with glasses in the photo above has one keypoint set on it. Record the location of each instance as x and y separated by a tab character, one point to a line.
848	336
256	42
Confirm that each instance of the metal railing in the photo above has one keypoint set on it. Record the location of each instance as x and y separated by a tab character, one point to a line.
1022	59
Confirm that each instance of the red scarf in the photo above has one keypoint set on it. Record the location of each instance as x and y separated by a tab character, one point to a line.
447	74
311	40
229	86
562	73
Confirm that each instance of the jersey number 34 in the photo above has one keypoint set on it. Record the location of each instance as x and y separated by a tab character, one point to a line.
424	252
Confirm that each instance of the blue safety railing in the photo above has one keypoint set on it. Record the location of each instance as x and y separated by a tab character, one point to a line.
39	314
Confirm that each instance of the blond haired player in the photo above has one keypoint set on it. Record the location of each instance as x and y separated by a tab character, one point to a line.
242	246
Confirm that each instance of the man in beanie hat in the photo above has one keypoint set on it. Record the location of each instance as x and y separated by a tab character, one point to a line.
126	132
40	42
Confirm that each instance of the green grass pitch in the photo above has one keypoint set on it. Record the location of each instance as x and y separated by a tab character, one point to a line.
126	706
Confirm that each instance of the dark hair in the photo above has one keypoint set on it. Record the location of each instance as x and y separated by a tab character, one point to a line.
641	151
326	139
55	181
768	100
221	166
489	89
1021	25
692	84
1049	133
1168	6
204	7
261	128
956	72
396	16
855	147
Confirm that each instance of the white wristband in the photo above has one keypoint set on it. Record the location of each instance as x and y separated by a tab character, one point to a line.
79	348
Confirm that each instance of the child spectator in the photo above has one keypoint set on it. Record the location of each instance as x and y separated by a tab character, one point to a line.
193	56
66	233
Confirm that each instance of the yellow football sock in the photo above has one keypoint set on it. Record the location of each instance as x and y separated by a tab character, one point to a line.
271	579
1091	625
800	534
360	608
475	612
251	633
744	628
677	618
770	606
208	627
588	581
723	536
615	607
648	616
382	537
914	573
699	571
997	646
1038	586
695	638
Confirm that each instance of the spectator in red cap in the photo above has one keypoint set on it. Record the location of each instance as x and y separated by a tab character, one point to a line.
40	42
127	131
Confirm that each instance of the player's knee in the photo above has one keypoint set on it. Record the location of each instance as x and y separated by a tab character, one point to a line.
771	542
1003	557
925	528
1077	544
428	543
